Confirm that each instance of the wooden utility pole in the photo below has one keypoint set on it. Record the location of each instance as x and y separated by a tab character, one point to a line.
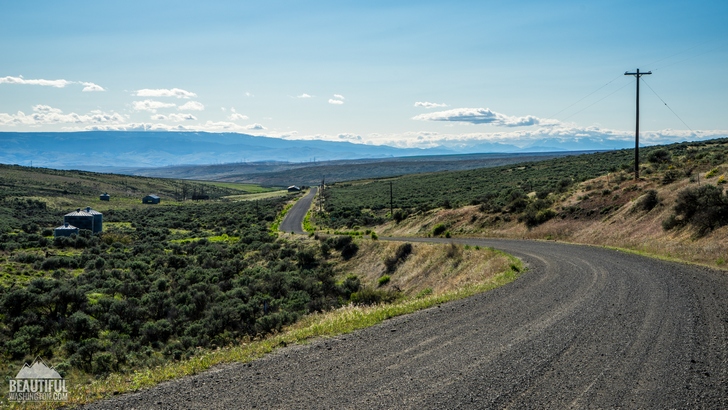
637	126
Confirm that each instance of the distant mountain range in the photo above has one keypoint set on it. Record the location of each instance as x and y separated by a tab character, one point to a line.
108	150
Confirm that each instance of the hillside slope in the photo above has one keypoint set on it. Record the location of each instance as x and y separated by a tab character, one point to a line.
611	209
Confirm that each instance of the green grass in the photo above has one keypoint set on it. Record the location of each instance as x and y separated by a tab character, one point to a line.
219	238
256	196
248	188
328	324
279	218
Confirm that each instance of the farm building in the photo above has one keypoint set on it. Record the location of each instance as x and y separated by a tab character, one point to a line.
150	199
293	188
105	197
65	230
85	219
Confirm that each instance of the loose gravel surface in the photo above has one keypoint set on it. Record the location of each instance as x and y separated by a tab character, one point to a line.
293	220
585	327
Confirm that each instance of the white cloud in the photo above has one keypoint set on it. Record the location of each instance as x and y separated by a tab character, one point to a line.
45	115
174	117
349	137
335	102
237	117
191	106
47	83
163	92
483	116
87	86
304	95
150	105
339	97
429	105
255	127
91	87
247	94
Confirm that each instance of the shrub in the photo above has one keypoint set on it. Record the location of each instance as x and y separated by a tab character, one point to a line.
349	251
439	229
659	156
670	176
705	207
648	201
369	296
399	216
402	252
384	280
712	173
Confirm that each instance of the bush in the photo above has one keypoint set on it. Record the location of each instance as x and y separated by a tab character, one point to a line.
384	280
402	252
369	296
670	176
659	156
648	201
439	229
705	207
349	251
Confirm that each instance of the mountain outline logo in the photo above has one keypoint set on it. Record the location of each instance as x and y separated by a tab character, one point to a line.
37	382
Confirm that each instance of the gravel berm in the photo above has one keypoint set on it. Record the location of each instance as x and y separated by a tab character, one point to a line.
584	327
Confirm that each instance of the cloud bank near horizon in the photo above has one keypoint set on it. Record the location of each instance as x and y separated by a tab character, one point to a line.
482	116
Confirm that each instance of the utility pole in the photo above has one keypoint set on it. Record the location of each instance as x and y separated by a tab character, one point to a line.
637	126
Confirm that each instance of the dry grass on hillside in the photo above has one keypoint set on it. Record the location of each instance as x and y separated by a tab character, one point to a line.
601	212
435	267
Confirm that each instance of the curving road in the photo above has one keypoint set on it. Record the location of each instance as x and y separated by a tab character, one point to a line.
585	327
293	221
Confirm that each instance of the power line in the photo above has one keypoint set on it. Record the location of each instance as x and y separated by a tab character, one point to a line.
689	58
668	107
583	98
595	102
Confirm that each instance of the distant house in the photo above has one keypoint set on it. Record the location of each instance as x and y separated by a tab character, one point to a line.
294	188
150	199
105	197
65	230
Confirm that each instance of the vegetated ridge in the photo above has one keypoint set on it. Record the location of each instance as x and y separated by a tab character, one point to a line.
678	208
312	173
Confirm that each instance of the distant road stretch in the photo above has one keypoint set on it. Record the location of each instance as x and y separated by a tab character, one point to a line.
584	327
293	221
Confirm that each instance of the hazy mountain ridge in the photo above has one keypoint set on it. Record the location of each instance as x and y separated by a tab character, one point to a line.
92	150
158	149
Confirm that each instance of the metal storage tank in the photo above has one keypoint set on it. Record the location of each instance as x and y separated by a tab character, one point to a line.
98	219
65	230
80	219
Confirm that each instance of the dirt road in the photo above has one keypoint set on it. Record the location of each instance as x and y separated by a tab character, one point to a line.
585	327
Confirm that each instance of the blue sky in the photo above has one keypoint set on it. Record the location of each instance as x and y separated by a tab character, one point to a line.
401	73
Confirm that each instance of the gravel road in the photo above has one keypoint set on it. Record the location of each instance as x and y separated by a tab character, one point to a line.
293	220
585	327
